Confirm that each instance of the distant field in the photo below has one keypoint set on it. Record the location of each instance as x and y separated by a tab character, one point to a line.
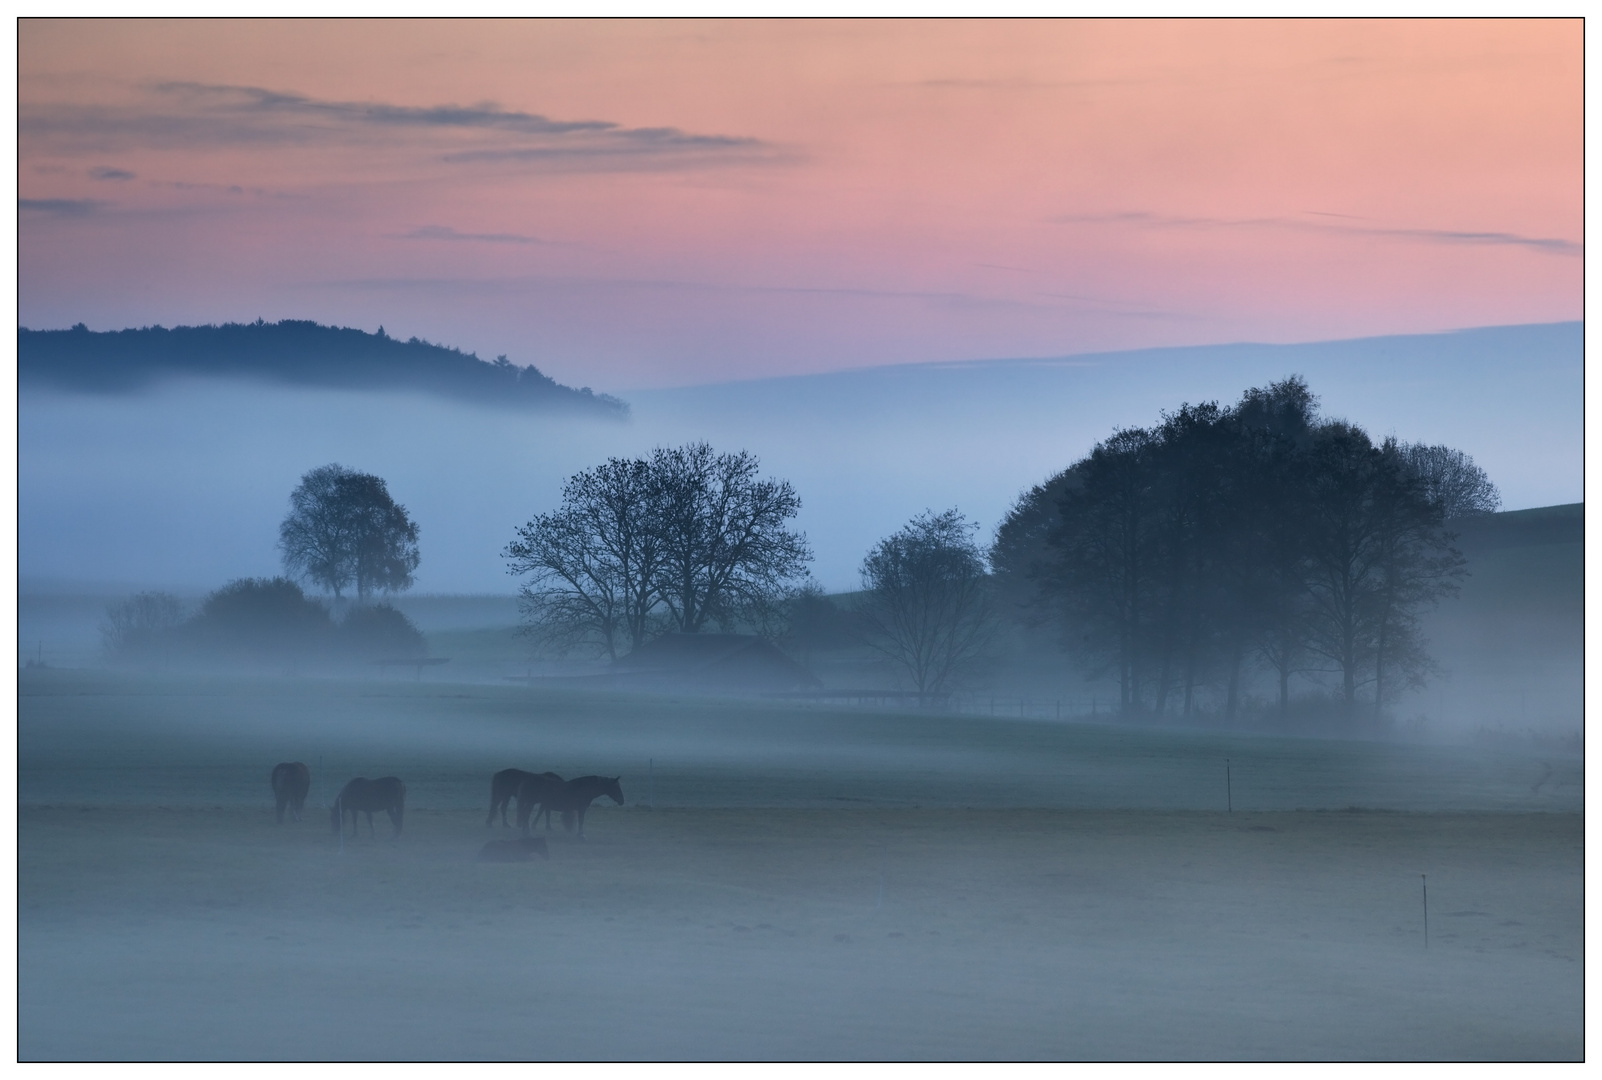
211	741
783	882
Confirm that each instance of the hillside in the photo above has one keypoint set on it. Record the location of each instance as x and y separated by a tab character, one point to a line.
295	352
1511	644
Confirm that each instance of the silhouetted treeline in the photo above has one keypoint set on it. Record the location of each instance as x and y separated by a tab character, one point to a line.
297	352
1177	558
256	620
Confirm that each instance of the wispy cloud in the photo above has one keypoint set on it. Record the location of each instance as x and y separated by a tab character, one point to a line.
71	208
1018	83
525	283
445	232
106	172
1550	245
187	115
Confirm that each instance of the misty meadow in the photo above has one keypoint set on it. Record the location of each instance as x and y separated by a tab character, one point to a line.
739	666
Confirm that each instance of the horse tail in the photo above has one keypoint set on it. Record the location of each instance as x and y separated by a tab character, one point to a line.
400	808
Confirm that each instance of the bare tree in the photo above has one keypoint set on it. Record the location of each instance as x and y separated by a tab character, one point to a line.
927	606
686	537
727	555
1450	479
142	625
343	528
594	562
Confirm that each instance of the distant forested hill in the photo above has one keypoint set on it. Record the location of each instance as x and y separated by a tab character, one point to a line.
296	352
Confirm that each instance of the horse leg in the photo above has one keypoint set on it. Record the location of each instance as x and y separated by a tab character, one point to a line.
582	811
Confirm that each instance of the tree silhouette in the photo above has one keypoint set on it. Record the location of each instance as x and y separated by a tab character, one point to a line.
343	528
927	606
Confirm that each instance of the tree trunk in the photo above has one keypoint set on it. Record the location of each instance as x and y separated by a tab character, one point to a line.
1232	702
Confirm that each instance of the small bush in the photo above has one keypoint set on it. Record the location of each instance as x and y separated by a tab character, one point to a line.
380	632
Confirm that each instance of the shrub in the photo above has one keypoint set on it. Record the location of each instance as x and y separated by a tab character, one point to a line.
261	618
379	632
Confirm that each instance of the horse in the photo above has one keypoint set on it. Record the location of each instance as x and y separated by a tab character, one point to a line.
532	792
386	793
522	849
572	799
504	785
291	780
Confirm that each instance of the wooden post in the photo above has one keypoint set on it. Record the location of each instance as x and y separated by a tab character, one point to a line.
1424	880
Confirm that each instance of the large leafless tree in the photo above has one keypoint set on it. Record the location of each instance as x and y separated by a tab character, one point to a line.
685	538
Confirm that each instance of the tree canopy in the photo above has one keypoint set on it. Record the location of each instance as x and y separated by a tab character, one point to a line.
1169	557
926	604
343	529
681	539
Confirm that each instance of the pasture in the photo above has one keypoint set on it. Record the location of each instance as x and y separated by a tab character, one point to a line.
784	882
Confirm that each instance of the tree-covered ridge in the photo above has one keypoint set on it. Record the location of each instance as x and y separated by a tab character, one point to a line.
295	351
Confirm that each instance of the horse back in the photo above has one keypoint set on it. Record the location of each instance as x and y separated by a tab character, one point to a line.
385	793
504	784
579	792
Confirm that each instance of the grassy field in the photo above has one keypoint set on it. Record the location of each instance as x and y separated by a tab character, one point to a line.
784	882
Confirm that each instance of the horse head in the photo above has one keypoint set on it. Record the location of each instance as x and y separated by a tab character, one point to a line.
614	790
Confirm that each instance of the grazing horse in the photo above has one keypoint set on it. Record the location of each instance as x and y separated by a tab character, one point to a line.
386	793
504	785
572	799
291	781
532	792
522	849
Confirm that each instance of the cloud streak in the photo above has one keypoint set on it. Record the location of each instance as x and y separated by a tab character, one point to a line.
66	208
1549	245
445	232
193	115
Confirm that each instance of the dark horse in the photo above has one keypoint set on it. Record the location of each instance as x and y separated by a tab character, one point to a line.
532	792
361	794
504	785
572	799
291	780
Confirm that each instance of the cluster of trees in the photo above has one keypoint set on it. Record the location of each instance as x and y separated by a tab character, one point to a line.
255	620
681	540
1174	557
1178	560
343	529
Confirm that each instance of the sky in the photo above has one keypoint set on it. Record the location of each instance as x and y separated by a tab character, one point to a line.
638	204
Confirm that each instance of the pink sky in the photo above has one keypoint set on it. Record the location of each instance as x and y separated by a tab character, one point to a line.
632	204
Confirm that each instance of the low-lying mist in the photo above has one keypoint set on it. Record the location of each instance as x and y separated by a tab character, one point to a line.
184	486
